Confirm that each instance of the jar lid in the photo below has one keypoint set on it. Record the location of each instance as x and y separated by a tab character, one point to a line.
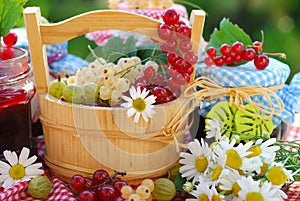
246	74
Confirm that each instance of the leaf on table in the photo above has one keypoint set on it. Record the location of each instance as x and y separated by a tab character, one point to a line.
10	11
228	33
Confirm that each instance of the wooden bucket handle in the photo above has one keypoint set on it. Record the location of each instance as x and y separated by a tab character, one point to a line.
41	34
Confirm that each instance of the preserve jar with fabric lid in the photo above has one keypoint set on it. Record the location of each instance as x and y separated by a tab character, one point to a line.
16	93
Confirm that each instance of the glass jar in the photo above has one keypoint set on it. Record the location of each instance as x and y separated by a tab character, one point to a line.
16	93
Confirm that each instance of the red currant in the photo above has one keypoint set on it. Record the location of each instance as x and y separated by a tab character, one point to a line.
165	32
149	72
173	84
118	185
219	61
88	182
258	47
261	61
208	61
87	196
180	79
228	60
170	16
237	47
77	183
237	58
107	193
10	39
181	65
172	44
158	79
161	94
183	32
211	52
185	45
6	53
172	71
225	50
100	176
249	54
191	58
172	57
141	80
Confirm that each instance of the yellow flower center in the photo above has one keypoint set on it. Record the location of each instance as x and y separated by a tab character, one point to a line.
216	173
216	197
201	163
254	196
139	104
263	169
233	159
256	150
203	197
17	171
236	189
276	175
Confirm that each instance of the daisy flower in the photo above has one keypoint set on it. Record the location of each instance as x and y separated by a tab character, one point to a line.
139	104
21	169
205	191
218	168
252	190
235	155
264	150
228	182
196	162
213	128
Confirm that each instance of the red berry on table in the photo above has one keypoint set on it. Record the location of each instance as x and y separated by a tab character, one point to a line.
77	183
237	47
225	50
165	32
183	32
249	54
87	196
107	193
211	52
191	58
100	176
88	182
185	45
237	57
10	39
219	61
6	53
170	16
258	47
261	61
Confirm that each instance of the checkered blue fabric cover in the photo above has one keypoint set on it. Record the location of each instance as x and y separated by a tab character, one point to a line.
247	75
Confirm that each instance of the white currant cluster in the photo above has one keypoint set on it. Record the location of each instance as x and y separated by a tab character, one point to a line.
112	79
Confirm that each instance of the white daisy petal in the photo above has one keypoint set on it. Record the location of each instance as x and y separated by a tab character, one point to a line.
23	155
3	177
4	165
137	117
11	157
8	182
29	161
33	171
130	112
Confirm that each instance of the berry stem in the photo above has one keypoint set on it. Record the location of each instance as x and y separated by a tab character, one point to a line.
280	55
94	54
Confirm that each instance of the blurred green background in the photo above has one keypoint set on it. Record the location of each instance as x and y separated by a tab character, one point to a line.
279	20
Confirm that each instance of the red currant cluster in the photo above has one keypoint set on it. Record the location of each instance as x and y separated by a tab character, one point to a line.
102	187
237	53
6	51
176	43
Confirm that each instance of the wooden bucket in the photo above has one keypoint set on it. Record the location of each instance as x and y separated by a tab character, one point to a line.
82	139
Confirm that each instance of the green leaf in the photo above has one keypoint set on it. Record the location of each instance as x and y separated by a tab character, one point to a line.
114	49
179	181
228	33
10	11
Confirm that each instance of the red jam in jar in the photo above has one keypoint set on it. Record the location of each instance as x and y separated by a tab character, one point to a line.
16	93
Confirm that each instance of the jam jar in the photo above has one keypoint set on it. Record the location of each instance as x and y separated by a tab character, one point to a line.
16	92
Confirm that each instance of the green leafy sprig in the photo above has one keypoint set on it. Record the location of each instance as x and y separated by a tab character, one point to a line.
10	11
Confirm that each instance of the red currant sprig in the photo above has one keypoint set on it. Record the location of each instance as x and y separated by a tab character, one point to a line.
237	53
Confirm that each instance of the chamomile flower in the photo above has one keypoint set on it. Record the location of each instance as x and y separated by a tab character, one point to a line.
197	162
264	150
235	155
252	190
205	191
218	169
21	169
213	128
228	182
139	104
